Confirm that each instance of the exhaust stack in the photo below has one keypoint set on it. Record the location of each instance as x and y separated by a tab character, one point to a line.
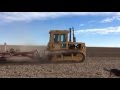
70	35
74	39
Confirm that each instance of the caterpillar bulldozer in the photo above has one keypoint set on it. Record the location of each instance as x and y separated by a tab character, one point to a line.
62	49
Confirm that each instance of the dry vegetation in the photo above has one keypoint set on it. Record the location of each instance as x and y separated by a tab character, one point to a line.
92	67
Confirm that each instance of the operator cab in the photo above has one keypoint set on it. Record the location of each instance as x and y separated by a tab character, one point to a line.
59	36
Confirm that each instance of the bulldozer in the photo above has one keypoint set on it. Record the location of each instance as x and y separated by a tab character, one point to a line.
62	47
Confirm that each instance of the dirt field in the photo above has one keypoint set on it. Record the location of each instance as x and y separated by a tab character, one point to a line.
92	67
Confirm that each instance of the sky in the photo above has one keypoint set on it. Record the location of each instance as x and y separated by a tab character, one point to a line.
96	29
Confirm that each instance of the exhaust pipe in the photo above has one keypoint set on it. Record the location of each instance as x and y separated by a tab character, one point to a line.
70	35
74	39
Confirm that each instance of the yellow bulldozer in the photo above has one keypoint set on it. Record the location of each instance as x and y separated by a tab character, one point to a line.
62	47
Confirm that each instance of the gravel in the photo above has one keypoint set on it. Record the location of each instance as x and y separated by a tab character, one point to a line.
92	67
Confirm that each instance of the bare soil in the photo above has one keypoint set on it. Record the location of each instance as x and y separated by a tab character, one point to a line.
92	67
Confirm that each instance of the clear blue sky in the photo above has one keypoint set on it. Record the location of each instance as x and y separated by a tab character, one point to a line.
93	28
